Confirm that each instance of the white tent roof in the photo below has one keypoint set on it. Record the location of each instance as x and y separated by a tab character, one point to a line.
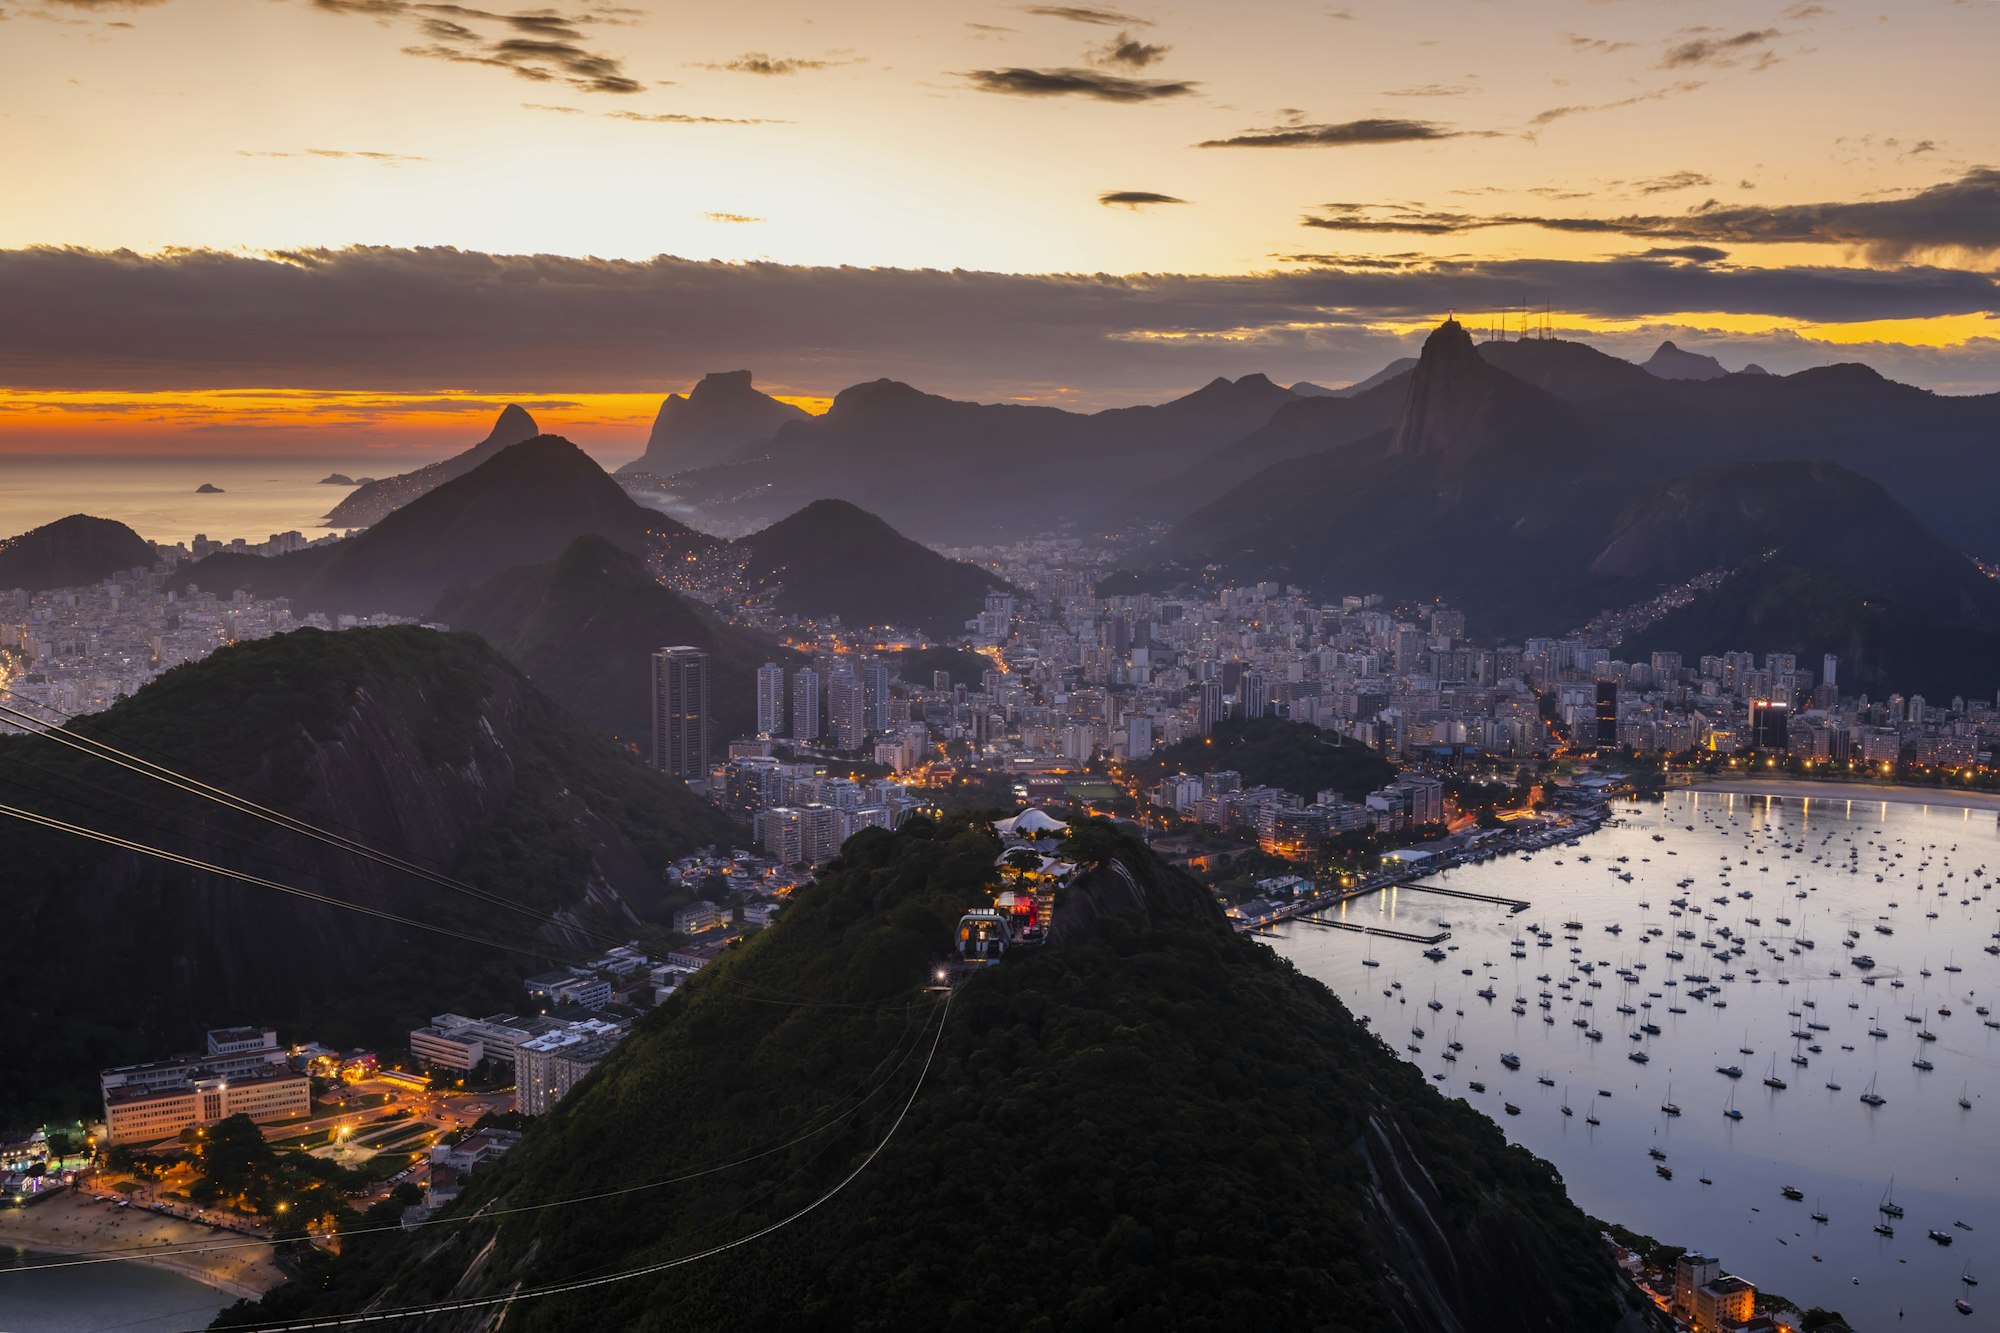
1030	821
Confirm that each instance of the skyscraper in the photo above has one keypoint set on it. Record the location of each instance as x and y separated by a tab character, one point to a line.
847	710
875	680
1606	730
680	711
770	699
1211	705
805	705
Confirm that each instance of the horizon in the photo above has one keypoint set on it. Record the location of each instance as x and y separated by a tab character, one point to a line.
593	205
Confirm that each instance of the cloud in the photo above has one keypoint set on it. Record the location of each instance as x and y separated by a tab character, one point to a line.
756	62
1431	90
386	159
1700	254
397	319
1723	51
679	118
735	218
1136	198
1679	180
1077	83
1127	51
1102	18
98	6
1555	113
1596	45
1956	217
541	46
1344	135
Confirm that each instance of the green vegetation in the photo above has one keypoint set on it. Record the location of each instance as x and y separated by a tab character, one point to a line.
964	666
70	551
584	628
427	744
834	559
1270	751
1152	1122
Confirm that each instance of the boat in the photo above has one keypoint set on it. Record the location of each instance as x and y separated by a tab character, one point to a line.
1889	1207
1667	1107
1638	1057
1962	1305
1792	1192
1435	954
1656	1154
1964	1099
1941	1237
1730	1110
1872	1097
1664	1172
1476	1086
1510	1108
1818	1213
1884	1229
1511	1060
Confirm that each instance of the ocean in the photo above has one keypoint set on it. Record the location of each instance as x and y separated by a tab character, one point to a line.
155	496
1805	869
132	1298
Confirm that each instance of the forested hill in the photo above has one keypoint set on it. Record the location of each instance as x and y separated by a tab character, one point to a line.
1152	1123
427	745
1272	752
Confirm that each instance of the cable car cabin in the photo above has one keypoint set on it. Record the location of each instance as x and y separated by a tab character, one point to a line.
983	937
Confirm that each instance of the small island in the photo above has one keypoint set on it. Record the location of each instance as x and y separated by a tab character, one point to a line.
208	488
337	479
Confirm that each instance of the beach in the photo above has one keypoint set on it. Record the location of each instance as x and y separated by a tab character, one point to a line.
77	1225
1852	791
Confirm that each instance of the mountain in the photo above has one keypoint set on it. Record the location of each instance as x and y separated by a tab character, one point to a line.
1572	371
71	552
1827	562
1402	365
1535	512
1459	404
525	504
1062	1144
584	626
427	745
833	558
942	469
1669	362
371	501
721	417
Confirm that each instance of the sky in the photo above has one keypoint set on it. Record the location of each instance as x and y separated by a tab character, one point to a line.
316	225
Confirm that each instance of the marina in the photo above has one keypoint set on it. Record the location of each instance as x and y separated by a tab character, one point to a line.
1704	936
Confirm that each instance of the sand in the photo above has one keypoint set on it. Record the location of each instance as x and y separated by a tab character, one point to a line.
72	1224
1852	791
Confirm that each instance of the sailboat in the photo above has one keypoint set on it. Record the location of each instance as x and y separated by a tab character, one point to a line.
1371	960
1965	1097
1565	1105
1872	1097
1818	1212
1667	1107
1889	1207
1771	1080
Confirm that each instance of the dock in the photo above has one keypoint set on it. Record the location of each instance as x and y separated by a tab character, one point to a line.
1383	931
1511	904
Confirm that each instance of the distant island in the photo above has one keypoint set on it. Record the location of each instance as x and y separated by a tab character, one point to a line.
208	488
337	479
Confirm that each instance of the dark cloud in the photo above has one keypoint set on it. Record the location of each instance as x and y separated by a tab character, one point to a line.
1076	83
757	62
1344	135
1700	254
420	319
1102	18
1678	180
542	46
1725	51
1957	217
1127	51
1136	198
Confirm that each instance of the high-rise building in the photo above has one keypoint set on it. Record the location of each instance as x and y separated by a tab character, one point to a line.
1211	705
805	705
680	711
875	680
847	711
1829	670
1770	724
1606	732
770	699
1692	1271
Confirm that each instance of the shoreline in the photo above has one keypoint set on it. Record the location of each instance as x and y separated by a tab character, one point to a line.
73	1225
1808	789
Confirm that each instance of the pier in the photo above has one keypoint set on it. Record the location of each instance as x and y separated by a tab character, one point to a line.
1383	931
1511	904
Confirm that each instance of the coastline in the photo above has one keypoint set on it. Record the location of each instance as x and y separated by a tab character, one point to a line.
73	1225
1805	788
